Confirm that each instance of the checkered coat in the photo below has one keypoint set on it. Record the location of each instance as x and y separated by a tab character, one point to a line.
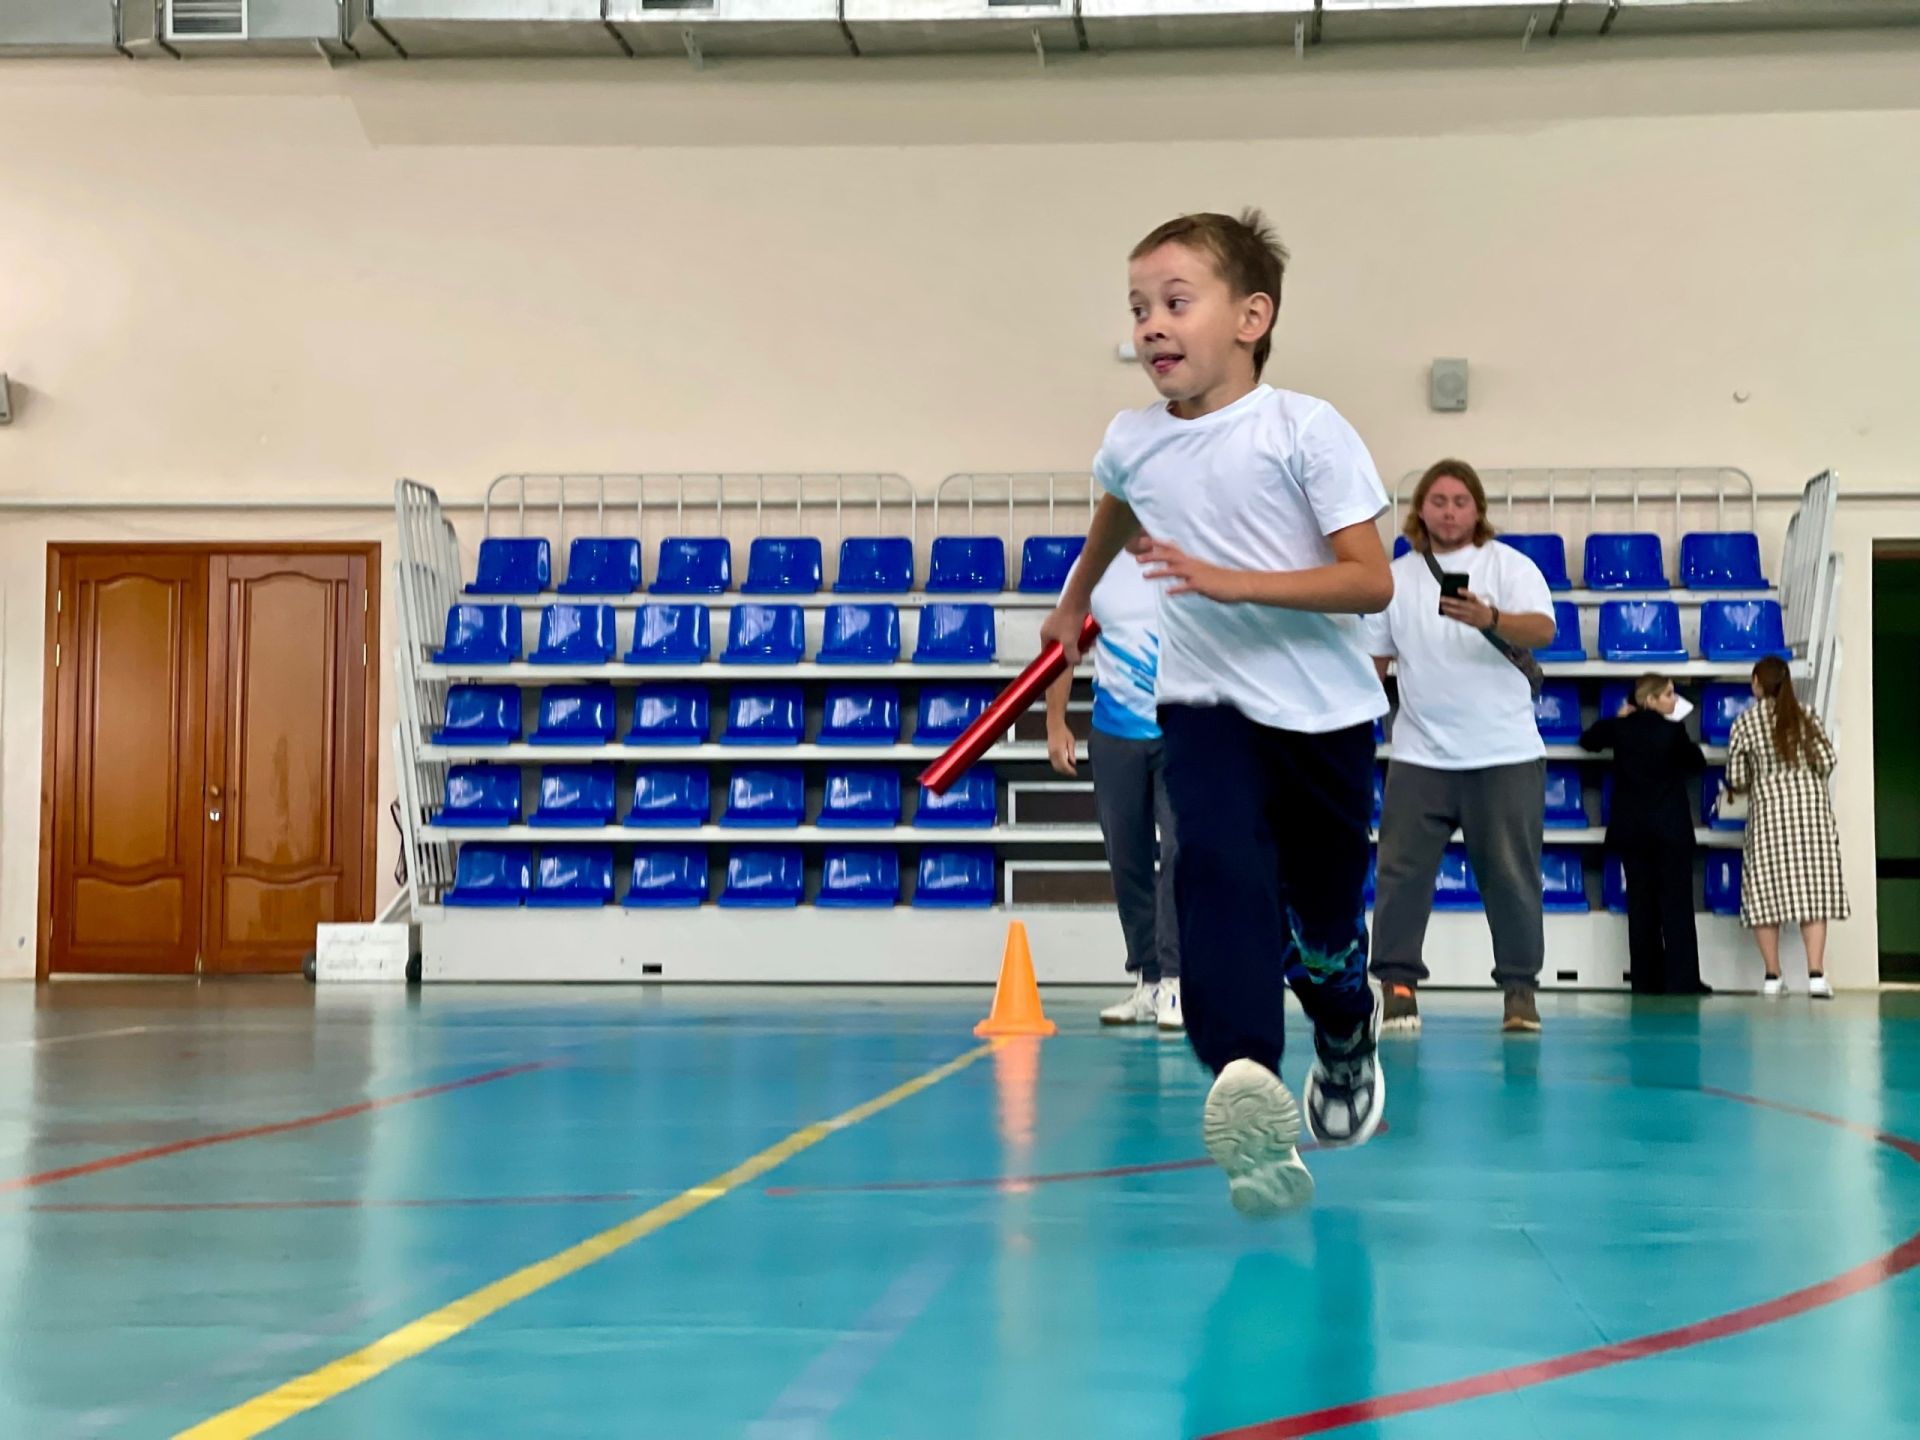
1791	869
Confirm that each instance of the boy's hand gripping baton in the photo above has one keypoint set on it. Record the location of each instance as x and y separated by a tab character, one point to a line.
1009	705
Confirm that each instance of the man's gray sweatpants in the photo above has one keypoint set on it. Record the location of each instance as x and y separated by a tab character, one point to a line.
1500	810
1130	793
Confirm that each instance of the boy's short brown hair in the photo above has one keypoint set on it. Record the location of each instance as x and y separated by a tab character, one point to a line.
1649	687
1245	253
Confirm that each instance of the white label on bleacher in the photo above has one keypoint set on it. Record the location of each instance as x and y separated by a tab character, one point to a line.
362	953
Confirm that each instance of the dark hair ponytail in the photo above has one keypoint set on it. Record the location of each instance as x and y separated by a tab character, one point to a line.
1792	726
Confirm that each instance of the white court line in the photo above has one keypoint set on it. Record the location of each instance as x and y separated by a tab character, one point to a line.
43	1040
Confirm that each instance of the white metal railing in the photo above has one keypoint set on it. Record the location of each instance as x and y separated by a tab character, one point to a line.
1561	490
1032	501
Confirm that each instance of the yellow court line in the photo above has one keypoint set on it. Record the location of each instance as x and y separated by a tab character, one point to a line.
300	1395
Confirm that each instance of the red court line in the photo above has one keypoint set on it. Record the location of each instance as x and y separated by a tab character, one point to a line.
1877	1271
1014	1182
258	1132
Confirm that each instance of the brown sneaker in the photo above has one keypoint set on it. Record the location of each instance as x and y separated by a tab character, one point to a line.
1399	1011
1522	1014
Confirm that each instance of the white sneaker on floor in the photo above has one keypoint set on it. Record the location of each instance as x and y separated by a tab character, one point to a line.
1252	1131
1139	1008
1167	1013
1346	1095
1819	987
1774	987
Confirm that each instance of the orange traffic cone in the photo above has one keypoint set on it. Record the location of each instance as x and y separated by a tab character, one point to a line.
1016	1000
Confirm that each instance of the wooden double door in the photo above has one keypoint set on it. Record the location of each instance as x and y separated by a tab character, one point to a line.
209	790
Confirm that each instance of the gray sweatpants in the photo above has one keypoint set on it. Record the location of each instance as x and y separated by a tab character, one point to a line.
1500	811
1130	793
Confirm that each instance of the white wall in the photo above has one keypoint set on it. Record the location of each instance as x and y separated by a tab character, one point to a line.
229	279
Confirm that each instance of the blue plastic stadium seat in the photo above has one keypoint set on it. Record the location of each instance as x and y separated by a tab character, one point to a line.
480	795
575	797
1379	729
765	715
1401	546
1566	643
573	876
513	566
954	635
1566	810
1549	553
575	715
1379	794
1045	561
867	877
1723	882
764	877
954	879
866	796
783	565
1721	560
1613	885
575	634
693	567
860	715
1454	888
1719	708
967	564
1742	630
492	876
1643	632
875	565
1710	783
481	635
597	566
1613	695
1369	892
670	715
671	635
1563	880
860	635
670	795
946	711
1625	562
765	635
667	877
480	715
766	798
1556	713
971	803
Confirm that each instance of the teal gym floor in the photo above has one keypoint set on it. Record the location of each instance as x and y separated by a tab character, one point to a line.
820	1213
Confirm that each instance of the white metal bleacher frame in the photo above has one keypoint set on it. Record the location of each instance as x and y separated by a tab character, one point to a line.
1074	944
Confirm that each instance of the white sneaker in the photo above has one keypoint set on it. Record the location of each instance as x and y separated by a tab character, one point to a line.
1819	987
1139	1008
1166	1006
1252	1128
1346	1096
1774	987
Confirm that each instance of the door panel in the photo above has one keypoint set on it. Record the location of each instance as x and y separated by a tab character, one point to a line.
128	755
285	754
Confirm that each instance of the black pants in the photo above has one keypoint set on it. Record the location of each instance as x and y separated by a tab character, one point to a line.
1663	947
1271	878
1130	794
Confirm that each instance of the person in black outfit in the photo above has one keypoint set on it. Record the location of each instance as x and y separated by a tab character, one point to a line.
1651	830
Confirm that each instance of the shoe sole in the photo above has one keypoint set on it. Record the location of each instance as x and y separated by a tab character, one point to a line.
1401	1025
1520	1027
1252	1130
1110	1020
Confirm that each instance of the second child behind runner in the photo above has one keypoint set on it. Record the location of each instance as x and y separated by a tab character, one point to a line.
1261	508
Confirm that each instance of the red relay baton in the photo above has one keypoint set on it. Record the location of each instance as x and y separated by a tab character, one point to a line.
1008	706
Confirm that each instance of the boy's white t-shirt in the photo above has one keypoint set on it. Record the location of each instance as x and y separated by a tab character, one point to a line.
1258	485
1463	705
1126	657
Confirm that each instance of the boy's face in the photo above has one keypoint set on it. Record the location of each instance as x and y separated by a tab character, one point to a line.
1195	337
1449	513
1664	701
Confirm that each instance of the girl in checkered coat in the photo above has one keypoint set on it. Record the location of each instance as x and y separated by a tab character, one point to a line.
1780	757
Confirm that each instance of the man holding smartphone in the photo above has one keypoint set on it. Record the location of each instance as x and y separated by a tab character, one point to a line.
1467	754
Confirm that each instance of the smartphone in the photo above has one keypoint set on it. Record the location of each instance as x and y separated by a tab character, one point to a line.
1452	582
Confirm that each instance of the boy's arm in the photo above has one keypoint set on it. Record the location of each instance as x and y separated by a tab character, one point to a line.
1359	582
1114	524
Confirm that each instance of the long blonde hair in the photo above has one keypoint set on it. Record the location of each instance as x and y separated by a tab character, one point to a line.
1793	727
1416	529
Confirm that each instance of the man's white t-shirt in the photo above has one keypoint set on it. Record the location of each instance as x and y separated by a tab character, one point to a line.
1463	705
1258	485
1126	657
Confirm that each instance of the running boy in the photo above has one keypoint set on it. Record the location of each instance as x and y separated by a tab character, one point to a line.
1260	505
